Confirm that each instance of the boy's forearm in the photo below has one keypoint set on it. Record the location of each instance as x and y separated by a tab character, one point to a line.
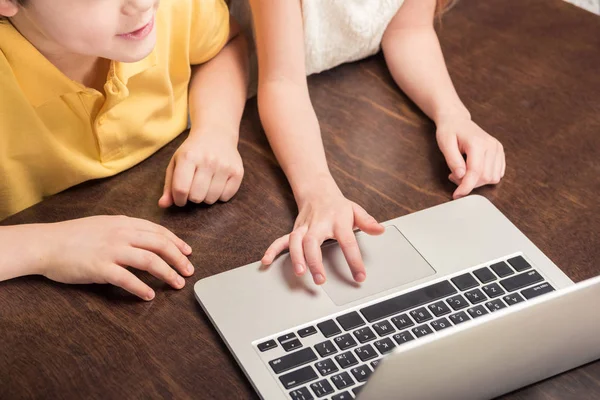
416	62
22	251
293	132
218	90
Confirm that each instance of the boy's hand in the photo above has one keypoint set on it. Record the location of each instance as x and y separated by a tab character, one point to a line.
325	214
206	168
99	249
485	162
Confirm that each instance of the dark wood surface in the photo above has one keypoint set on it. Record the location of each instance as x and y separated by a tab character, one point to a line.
527	70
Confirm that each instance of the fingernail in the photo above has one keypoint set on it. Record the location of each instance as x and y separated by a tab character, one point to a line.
319	279
460	173
360	277
190	268
180	281
188	248
150	294
299	269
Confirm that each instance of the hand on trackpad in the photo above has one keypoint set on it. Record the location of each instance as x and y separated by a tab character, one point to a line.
390	261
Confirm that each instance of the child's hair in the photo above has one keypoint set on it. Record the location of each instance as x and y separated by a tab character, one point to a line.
19	2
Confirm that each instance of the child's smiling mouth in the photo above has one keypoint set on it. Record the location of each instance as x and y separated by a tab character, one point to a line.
140	33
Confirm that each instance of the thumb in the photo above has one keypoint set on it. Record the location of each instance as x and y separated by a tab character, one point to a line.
166	199
365	222
449	146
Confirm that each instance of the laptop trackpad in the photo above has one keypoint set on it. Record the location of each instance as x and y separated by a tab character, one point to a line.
390	261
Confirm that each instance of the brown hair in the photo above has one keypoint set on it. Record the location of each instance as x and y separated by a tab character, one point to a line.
19	2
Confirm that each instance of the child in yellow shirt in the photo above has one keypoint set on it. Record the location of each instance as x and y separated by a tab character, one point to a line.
91	88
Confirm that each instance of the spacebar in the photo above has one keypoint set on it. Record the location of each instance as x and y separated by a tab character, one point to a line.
407	301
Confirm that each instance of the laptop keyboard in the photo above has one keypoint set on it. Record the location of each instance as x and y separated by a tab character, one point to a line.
333	358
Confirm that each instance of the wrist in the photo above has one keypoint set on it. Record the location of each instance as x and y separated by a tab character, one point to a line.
315	186
449	114
223	131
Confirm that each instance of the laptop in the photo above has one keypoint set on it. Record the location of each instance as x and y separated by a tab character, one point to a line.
458	304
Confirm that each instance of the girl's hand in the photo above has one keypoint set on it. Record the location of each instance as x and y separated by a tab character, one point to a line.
99	250
485	162
325	213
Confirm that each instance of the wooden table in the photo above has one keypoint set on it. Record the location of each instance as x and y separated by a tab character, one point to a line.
527	70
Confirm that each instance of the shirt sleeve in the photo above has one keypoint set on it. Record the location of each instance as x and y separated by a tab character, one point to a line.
209	29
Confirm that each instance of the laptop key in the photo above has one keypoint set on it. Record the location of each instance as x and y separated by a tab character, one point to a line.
513	298
342	396
326	367
493	290
438	309
361	373
268	345
520	281
484	275
421	331
495	305
402	322
421	315
403	337
519	263
309	330
407	301
477	311
457	302
502	269
298	377
459	318
325	348
301	394
329	328
345	341
440	324
364	334
293	360
383	328
366	352
350	321
375	363
357	390
291	345
384	345
346	359
342	381
287	337
537	290
464	281
475	296
322	388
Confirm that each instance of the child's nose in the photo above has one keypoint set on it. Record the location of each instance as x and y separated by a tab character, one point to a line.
136	7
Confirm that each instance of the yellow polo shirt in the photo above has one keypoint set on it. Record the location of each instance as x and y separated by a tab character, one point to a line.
56	133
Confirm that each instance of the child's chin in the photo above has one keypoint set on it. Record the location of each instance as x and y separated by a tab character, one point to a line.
135	54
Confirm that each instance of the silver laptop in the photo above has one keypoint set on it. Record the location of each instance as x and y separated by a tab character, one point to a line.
458	304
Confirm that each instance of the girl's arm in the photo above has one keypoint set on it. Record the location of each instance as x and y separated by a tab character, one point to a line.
293	131
415	60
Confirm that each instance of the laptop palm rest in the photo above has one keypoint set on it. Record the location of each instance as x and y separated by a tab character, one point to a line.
390	260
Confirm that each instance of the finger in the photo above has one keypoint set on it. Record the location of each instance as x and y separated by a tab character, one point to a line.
275	249
499	164
147	261
166	199
475	164
503	167
489	168
200	185
312	253
231	188
365	222
120	277
296	250
216	187
449	146
165	248
144	225
454	179
182	182
347	241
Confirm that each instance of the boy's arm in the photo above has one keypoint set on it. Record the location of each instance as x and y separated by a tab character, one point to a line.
416	62
208	167
22	251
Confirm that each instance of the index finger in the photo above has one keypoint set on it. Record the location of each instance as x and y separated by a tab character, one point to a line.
347	241
475	160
